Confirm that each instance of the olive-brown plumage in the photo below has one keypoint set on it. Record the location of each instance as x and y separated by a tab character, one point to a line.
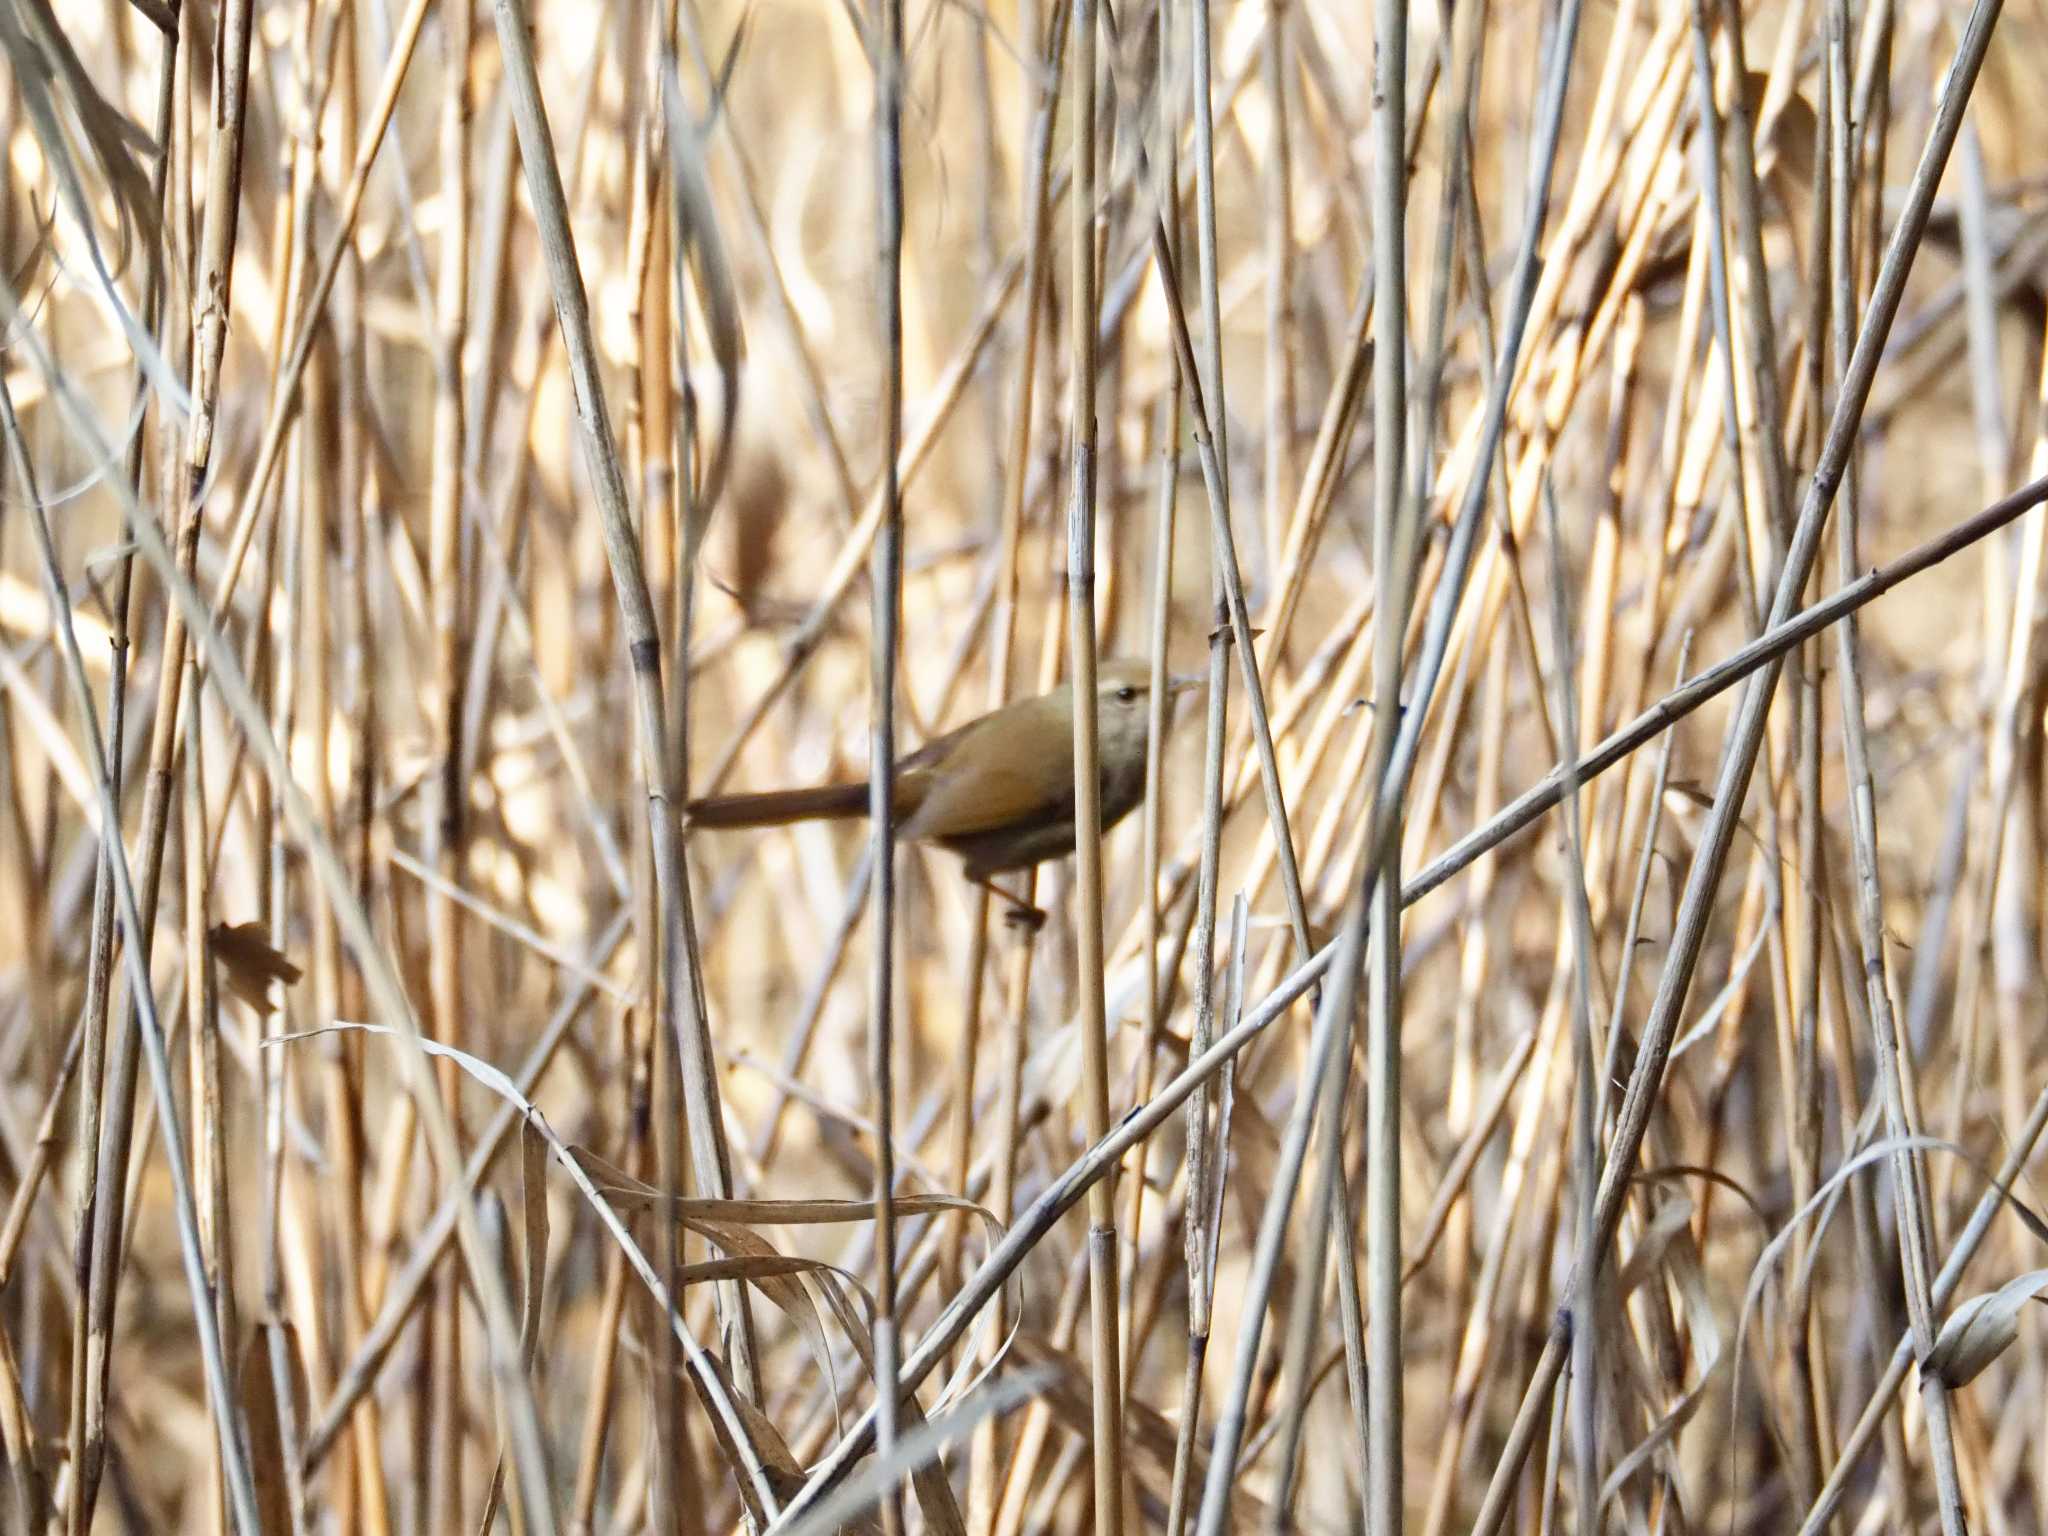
999	791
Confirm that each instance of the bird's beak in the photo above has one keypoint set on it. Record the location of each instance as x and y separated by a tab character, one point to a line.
1185	683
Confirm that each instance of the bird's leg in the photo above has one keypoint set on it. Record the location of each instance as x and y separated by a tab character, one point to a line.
1021	913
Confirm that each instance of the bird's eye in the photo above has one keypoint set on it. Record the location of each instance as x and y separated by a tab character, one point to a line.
1126	693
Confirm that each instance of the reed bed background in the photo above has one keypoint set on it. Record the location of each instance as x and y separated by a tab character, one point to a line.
439	440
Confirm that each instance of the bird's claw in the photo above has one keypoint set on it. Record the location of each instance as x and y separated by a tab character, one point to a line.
1027	920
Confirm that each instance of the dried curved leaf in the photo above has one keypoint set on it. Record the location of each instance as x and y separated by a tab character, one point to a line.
704	1214
53	84
533	1166
785	1475
731	1417
777	1276
629	1193
115	139
1979	1330
780	1278
1879	1151
728	1223
934	1490
1667	1220
1668	1243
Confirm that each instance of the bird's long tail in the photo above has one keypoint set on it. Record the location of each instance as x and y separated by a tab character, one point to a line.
780	807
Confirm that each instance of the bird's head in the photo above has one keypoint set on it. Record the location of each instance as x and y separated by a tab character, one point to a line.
1123	695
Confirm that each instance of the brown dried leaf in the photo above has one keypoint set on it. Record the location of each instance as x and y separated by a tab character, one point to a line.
757	514
1792	131
248	961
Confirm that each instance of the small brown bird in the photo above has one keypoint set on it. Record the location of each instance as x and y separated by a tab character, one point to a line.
999	791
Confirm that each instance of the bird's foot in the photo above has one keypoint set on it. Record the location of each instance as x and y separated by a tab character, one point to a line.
1025	919
1017	912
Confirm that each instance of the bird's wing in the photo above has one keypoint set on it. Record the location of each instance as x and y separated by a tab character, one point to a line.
999	797
982	785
